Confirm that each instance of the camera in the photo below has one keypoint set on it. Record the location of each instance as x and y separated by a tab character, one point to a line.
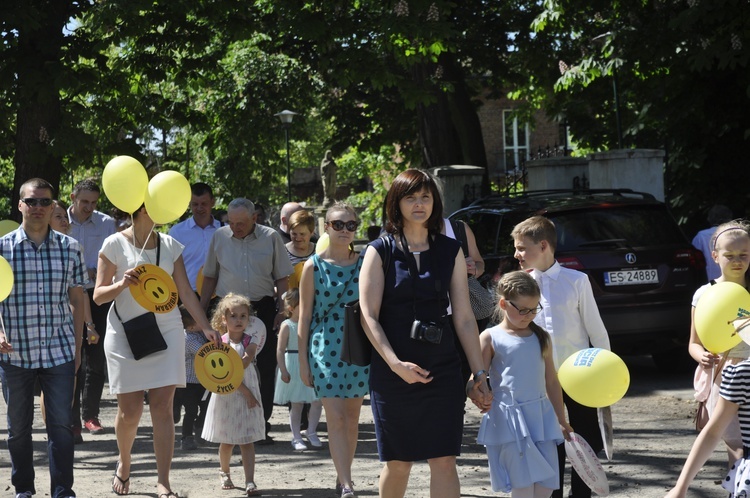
426	332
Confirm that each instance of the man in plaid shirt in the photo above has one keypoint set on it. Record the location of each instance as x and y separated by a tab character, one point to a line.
41	338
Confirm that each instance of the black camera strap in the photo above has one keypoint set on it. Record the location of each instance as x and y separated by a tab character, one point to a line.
412	261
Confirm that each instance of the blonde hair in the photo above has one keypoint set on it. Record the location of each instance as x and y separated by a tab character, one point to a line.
291	300
537	228
227	302
520	284
733	230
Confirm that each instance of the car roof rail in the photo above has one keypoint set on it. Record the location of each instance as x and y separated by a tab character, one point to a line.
534	194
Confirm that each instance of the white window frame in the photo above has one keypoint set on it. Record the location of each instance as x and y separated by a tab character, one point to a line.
520	153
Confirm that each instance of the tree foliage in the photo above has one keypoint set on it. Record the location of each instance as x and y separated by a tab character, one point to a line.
683	82
194	85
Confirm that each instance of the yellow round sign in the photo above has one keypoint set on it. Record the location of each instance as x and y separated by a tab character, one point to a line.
219	368
156	291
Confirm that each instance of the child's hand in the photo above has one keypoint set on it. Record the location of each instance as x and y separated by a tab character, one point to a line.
708	360
250	399
566	430
285	377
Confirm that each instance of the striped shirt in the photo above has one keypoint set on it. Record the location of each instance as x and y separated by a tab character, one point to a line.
37	316
735	387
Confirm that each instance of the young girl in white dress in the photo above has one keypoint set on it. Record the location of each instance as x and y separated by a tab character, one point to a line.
237	418
527	419
289	386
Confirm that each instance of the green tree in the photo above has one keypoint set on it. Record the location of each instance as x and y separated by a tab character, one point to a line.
683	82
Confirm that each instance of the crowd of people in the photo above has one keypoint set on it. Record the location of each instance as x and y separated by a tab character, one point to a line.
71	319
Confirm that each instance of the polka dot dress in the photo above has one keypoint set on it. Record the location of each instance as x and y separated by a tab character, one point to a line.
737	481
333	377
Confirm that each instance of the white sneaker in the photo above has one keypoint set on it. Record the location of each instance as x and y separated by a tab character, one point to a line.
314	440
298	445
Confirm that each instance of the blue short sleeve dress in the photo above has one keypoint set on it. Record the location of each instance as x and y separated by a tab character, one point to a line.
334	287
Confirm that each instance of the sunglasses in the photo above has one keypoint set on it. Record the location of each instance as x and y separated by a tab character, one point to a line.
338	225
524	312
34	202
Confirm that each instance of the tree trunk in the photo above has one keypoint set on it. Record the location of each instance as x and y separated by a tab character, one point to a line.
449	129
38	118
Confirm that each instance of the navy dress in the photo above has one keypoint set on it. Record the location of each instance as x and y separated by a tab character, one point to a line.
418	421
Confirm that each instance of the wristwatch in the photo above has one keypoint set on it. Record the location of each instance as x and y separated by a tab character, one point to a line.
481	372
90	325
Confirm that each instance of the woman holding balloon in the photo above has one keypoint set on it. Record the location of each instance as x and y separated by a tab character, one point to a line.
126	274
731	251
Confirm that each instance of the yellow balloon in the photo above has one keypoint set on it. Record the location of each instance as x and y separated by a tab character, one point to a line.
6	278
167	197
594	377
124	181
719	306
322	243
7	226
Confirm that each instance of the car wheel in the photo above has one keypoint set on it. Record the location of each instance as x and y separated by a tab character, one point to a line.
676	360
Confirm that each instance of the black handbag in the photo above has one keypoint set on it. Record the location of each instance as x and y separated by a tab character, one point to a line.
356	348
143	334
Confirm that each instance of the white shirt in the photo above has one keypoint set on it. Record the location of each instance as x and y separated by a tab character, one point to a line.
196	241
570	314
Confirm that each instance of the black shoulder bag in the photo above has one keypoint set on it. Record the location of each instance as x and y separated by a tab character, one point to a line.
356	348
142	332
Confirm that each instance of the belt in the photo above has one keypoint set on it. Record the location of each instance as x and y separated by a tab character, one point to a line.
292	351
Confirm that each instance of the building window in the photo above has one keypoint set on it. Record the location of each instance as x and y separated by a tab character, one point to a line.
516	141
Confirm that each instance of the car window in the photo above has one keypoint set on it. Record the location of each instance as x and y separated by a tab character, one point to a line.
629	226
485	227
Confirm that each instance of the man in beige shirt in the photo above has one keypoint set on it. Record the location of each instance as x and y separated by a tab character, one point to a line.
250	259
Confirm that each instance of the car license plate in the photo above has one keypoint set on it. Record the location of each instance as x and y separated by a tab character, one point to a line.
631	277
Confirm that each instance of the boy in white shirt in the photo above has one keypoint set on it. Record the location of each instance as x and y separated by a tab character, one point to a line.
571	317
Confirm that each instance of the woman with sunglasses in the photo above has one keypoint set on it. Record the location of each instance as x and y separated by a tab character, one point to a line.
330	280
416	389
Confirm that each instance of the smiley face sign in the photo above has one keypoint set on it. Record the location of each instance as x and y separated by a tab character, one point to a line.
219	368
155	291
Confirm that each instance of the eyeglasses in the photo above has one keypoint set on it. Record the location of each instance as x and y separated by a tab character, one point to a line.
34	202
526	311
338	225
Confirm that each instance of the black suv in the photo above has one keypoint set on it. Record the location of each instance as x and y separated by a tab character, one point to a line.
642	268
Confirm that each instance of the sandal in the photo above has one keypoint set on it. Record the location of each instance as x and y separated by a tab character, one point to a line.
123	482
226	481
168	495
251	489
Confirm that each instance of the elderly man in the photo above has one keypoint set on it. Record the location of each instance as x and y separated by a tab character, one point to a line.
195	233
90	227
250	259
43	317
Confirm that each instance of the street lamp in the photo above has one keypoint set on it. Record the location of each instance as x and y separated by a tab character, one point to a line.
286	118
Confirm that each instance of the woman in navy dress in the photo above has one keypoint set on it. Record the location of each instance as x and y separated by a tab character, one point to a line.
416	388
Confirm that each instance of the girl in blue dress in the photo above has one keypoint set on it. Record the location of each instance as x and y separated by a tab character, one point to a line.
289	386
527	419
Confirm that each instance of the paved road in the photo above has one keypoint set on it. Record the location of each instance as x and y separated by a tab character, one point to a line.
652	437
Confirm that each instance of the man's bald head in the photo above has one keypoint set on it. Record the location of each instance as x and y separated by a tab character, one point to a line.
287	210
